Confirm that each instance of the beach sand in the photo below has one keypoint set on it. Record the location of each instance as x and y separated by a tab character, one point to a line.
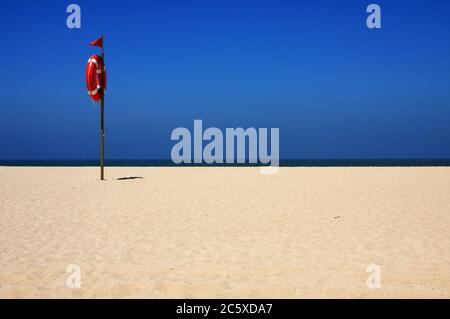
224	232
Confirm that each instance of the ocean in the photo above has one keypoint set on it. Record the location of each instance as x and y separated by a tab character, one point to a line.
283	163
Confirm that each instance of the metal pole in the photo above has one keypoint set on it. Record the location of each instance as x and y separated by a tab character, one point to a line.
102	123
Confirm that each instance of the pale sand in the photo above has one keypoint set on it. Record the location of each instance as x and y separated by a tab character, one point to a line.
225	232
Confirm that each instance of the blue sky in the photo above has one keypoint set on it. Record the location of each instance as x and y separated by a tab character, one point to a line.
336	89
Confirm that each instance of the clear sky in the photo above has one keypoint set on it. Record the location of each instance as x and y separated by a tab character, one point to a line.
336	89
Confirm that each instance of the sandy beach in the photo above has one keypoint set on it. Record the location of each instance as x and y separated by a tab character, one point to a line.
224	232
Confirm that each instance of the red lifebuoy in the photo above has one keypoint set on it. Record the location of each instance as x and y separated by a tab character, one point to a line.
95	77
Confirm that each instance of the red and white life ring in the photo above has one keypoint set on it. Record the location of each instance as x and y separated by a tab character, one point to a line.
95	77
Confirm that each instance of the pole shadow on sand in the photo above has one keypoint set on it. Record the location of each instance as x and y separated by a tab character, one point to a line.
129	177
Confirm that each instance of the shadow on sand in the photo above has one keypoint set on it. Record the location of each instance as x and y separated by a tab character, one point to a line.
129	177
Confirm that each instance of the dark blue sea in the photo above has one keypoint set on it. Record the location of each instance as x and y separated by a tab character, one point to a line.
285	163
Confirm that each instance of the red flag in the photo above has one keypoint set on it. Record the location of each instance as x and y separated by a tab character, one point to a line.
98	43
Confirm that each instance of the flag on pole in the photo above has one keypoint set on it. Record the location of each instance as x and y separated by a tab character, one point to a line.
98	43
96	85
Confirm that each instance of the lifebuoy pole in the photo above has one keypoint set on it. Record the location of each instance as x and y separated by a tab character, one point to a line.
102	120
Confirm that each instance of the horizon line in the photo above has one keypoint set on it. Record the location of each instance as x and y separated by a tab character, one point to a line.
387	162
